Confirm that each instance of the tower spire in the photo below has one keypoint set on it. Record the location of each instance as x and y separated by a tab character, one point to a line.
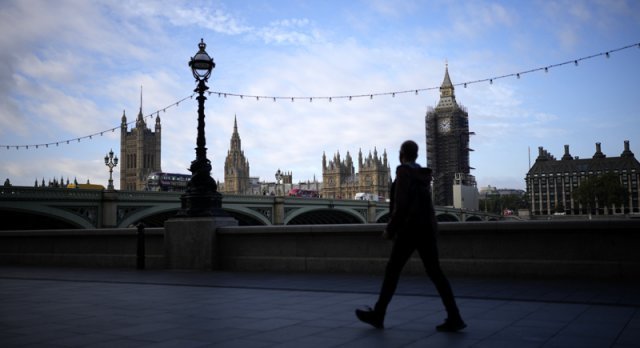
446	83
447	96
140	120
235	123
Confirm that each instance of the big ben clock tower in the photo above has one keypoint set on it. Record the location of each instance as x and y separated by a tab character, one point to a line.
447	129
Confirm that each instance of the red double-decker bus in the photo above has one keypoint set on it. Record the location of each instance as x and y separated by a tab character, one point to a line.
296	192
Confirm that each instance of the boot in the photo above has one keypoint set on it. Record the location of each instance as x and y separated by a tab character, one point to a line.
371	317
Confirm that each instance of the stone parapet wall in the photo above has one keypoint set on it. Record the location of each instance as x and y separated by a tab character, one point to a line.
607	249
113	248
579	249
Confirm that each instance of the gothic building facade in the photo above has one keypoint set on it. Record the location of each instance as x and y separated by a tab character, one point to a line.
236	166
447	132
140	151
551	182
340	180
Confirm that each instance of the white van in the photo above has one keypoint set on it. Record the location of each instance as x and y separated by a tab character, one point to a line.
363	196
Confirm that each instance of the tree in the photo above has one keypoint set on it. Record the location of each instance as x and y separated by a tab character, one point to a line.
605	190
495	203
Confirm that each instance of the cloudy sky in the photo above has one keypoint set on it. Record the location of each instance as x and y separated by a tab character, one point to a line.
68	69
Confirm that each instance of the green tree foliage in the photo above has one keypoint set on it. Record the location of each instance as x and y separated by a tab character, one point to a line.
605	189
498	203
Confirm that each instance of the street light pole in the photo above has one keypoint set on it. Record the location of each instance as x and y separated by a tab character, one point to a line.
201	197
278	178
110	162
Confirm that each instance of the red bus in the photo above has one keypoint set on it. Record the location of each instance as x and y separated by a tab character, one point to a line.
296	192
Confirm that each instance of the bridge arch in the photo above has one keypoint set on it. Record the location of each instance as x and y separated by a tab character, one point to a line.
383	216
446	217
308	215
41	217
156	216
247	217
473	218
152	215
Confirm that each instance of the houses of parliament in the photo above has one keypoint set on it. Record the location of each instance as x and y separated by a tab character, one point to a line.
447	135
140	148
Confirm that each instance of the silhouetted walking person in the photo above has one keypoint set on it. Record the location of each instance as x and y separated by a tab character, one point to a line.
412	226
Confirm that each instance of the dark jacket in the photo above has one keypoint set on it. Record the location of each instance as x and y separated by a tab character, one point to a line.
410	204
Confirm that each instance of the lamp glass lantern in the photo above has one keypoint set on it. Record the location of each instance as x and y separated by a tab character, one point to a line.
201	64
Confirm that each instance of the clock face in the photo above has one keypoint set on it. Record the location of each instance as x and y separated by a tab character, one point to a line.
444	125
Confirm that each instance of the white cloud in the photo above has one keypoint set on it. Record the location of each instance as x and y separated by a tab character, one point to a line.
70	68
289	31
475	18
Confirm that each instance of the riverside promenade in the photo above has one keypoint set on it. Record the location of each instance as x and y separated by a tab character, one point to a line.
81	307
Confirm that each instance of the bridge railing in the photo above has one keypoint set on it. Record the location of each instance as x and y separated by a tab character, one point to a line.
112	208
35	193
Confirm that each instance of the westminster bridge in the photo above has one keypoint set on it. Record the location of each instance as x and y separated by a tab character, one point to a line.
37	208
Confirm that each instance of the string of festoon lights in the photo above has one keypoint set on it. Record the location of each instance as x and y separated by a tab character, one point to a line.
91	136
490	80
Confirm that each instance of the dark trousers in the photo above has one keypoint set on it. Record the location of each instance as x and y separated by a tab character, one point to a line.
427	248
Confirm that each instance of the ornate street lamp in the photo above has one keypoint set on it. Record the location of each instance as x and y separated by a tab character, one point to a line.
110	162
201	197
279	176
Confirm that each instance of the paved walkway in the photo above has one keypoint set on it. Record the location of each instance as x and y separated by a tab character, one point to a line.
55	307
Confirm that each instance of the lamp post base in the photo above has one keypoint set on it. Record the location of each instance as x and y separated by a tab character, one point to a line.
201	205
192	244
